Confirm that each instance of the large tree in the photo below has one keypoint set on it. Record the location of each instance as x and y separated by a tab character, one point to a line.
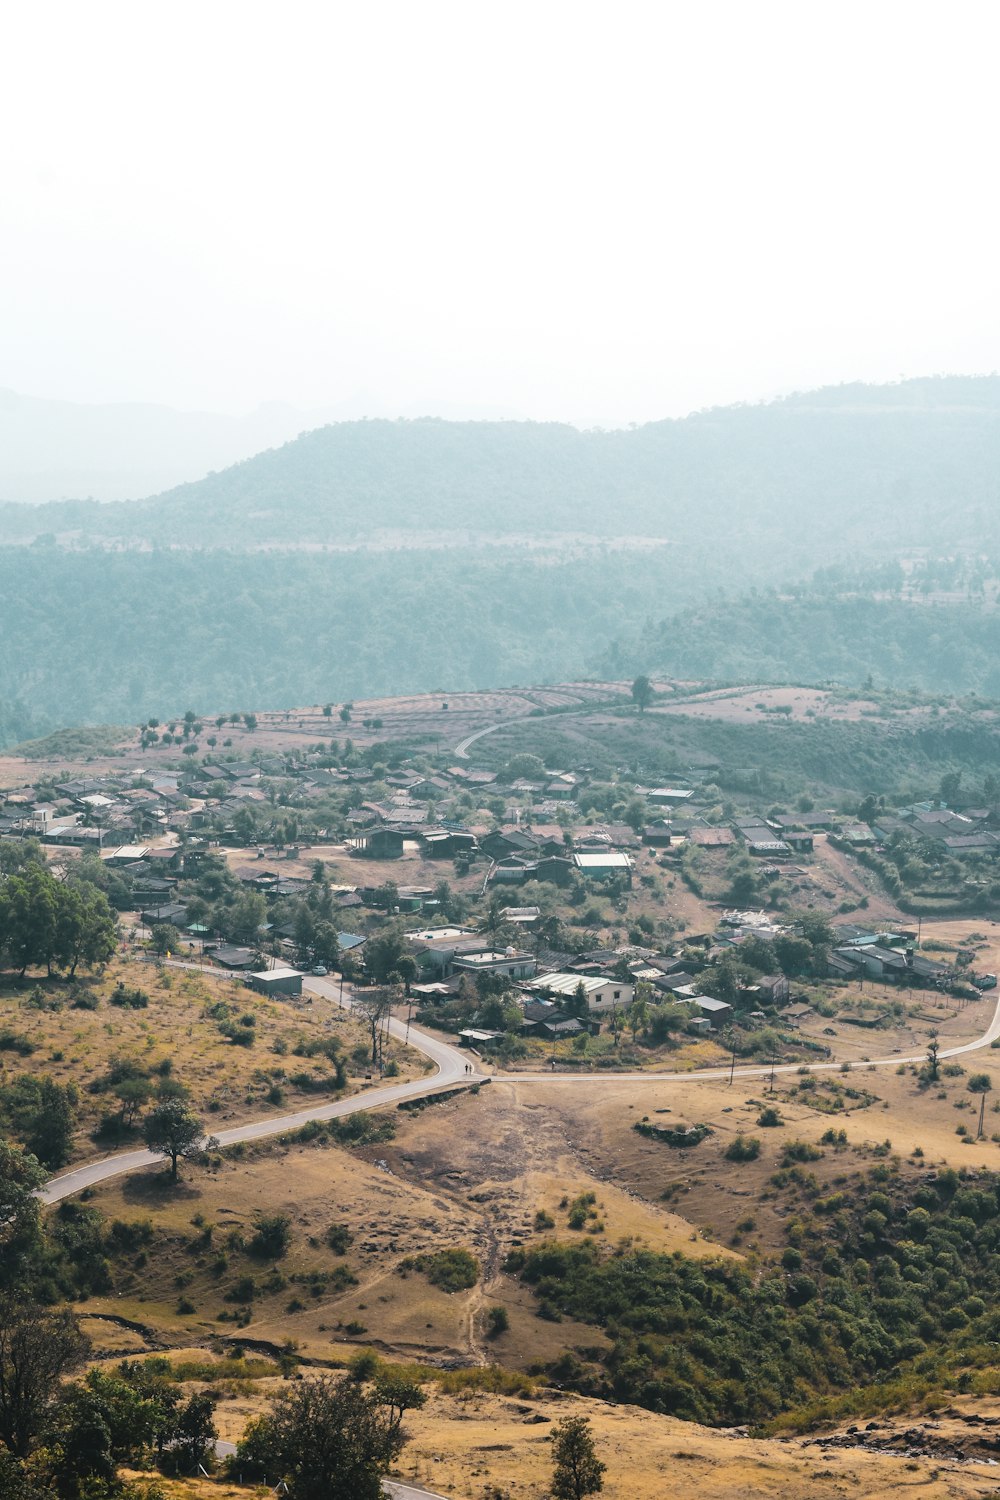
578	1471
20	1221
37	1347
174	1131
375	1006
642	693
327	1439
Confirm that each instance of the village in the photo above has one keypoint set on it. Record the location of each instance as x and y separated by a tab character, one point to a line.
547	916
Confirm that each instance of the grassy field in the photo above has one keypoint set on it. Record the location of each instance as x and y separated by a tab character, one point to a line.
179	1028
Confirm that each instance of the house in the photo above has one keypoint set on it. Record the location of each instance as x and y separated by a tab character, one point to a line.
521	916
657	834
277	981
350	942
174	914
514	871
510	963
799	840
718	1013
668	795
228	956
607	865
446	843
602	993
501	844
773	988
712	838
378	843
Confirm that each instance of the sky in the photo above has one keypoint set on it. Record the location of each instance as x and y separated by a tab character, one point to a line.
600	213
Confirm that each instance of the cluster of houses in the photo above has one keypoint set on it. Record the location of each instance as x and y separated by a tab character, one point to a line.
975	830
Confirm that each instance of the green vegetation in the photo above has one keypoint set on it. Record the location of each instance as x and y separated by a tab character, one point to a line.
52	922
324	611
886	1277
452	1270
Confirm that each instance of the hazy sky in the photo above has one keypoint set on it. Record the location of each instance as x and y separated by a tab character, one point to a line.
599	212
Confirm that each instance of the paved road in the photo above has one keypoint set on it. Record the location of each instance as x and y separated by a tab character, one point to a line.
990	1035
462	748
450	1065
450	1068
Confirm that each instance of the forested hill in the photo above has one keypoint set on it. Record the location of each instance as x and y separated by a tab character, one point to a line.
947	647
808	477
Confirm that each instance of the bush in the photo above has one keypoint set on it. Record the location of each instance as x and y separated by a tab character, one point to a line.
15	1041
339	1238
272	1235
743	1148
769	1116
800	1151
452	1270
497	1321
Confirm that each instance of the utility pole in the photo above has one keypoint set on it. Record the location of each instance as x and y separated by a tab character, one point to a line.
732	1065
774	1059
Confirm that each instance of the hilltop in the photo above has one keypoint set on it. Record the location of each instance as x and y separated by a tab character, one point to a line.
861	462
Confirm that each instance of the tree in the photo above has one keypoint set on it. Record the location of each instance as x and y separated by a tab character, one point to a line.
383	952
51	1131
328	1439
29	917
407	969
642	693
932	1060
37	1348
174	1131
980	1083
163	938
133	1094
578	1471
20	1222
638	1013
246	917
374	1007
192	1441
86	930
399	1395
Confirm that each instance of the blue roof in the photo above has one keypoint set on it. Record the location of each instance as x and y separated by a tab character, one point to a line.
349	940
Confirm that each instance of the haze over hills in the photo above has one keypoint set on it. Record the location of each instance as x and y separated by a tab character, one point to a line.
396	556
59	450
860	465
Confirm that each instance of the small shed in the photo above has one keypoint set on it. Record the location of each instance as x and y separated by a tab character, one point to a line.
277	981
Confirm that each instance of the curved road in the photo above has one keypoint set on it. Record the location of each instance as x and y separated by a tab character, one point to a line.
462	748
450	1064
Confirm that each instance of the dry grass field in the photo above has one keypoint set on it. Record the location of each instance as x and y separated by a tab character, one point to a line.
459	1444
227	1083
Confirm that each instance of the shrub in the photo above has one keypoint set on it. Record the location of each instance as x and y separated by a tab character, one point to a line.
743	1148
497	1321
452	1270
800	1151
272	1235
769	1116
339	1238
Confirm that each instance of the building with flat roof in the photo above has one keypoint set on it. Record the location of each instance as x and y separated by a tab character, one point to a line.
509	962
277	981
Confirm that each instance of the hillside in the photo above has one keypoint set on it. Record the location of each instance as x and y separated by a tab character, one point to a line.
949	647
371	558
865	465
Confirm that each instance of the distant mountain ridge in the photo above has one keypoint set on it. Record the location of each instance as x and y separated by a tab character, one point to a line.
819	472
